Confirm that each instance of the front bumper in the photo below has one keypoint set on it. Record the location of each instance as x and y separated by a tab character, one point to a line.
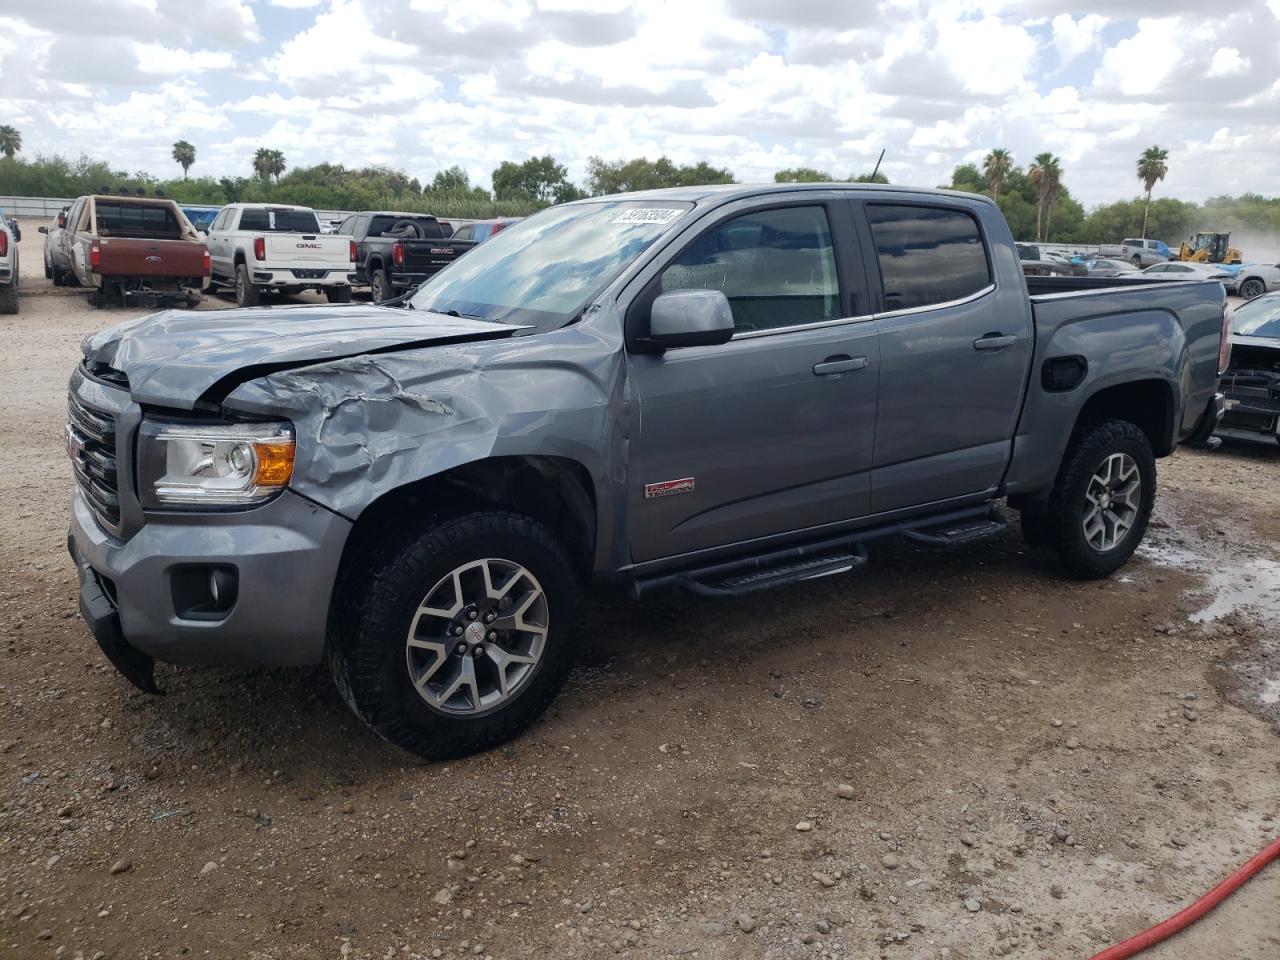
285	555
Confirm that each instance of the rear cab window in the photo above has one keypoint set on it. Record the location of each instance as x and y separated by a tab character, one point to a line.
279	221
928	255
118	219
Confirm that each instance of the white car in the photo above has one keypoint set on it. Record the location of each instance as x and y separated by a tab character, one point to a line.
256	247
1193	271
1255	279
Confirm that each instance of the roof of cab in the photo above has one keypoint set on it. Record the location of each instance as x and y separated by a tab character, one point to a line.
725	192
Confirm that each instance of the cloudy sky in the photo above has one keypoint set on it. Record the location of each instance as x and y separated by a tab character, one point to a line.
754	85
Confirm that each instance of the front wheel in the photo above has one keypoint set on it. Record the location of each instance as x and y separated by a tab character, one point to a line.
1101	501
457	638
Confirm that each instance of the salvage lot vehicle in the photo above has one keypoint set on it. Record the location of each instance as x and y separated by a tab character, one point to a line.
482	230
397	251
742	388
10	234
259	247
1193	271
1139	252
1252	380
139	251
1255	279
1107	268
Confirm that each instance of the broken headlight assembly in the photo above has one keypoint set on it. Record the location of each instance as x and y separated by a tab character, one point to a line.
185	465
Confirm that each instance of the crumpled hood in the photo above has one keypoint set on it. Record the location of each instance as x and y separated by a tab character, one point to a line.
175	358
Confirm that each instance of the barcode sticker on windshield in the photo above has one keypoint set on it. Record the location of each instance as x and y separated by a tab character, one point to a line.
657	215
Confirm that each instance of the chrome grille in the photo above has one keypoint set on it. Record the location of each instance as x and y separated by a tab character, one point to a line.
91	445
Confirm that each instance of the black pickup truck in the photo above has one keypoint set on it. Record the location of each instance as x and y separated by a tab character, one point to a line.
397	251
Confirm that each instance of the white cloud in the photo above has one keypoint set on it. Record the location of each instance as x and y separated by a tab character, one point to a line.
1073	38
752	85
1227	61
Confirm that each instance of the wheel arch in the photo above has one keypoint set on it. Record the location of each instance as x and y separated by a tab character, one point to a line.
1149	404
556	491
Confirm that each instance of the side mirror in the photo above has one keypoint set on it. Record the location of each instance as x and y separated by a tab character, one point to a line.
43	229
62	220
689	318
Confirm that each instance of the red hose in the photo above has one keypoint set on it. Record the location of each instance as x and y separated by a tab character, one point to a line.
1184	918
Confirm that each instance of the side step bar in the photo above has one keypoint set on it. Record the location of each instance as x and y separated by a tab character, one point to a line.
820	558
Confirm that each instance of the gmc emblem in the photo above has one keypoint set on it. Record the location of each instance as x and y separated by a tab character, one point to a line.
308	246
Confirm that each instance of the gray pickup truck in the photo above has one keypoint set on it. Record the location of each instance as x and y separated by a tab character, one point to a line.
718	389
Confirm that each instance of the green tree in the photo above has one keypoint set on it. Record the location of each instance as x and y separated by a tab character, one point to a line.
540	179
624	176
453	180
802	175
1045	175
10	141
1152	166
876	177
967	178
995	168
184	155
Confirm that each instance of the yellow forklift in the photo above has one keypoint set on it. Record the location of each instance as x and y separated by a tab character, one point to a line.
1209	248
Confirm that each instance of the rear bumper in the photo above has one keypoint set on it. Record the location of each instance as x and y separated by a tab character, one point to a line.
402	281
285	557
302	277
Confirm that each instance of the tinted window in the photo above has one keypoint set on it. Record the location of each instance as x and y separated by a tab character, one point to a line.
136	220
463	233
777	267
928	255
280	221
406	228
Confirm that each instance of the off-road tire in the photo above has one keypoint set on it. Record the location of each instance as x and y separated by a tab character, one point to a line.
247	295
9	298
48	269
373	610
338	294
1090	445
380	286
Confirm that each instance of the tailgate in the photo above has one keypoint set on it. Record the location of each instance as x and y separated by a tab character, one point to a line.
130	257
333	250
430	256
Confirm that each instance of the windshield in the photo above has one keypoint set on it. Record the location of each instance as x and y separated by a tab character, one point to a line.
1258	318
542	271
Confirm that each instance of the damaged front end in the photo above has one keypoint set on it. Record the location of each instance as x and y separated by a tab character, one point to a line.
1252	388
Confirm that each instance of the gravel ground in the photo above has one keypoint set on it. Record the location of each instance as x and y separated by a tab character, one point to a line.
951	754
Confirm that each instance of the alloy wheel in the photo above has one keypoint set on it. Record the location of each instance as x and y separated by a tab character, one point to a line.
477	636
1113	499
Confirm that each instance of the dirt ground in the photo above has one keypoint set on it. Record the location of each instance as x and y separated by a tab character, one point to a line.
952	754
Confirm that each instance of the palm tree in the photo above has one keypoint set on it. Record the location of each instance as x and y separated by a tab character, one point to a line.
184	154
275	163
1152	166
1045	174
262	163
997	166
10	141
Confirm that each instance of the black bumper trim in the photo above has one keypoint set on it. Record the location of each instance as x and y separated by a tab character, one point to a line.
103	620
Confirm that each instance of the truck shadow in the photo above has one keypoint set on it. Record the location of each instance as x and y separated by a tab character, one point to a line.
292	724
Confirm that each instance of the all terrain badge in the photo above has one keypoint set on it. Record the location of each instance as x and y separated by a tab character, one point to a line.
667	488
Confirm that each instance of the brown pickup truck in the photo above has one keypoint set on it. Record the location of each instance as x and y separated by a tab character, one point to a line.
141	251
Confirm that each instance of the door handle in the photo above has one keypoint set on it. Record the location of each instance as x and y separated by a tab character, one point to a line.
994	341
841	364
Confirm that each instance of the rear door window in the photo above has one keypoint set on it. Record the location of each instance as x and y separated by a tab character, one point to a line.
928	255
776	267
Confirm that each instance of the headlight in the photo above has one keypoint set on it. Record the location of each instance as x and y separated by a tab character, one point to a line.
215	465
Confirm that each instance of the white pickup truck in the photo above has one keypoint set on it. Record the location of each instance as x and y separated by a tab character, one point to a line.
259	247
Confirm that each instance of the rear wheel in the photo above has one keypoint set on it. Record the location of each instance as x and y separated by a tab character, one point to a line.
457	638
247	295
9	298
380	286
1136	261
1101	502
48	269
1252	288
338	294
